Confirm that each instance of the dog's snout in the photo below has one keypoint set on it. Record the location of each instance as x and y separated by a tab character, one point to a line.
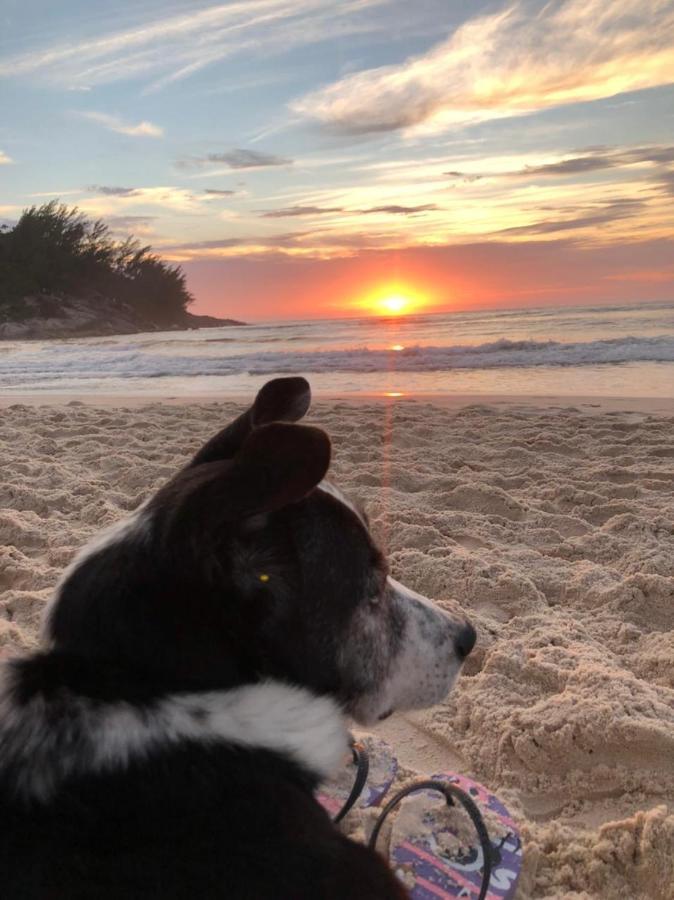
465	640
434	643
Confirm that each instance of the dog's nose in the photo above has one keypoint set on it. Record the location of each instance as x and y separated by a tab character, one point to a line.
465	640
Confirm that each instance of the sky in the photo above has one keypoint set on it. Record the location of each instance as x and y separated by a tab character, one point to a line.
306	158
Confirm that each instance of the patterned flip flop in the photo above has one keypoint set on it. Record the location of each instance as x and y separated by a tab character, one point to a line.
437	853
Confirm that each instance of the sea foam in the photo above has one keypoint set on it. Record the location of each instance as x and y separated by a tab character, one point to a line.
28	364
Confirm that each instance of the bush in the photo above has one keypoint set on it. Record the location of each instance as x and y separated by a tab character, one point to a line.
56	250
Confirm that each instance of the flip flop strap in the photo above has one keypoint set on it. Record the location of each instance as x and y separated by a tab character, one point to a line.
450	791
362	761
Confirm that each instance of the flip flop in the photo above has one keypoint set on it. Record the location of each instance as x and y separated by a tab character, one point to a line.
433	856
436	856
363	781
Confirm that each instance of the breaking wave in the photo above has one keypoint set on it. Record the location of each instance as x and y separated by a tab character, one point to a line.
497	354
81	361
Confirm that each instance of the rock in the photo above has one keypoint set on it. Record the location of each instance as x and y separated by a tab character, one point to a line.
45	316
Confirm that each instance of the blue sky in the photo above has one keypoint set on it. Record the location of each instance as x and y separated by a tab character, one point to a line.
299	143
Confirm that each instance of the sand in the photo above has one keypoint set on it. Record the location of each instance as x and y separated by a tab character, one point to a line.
552	528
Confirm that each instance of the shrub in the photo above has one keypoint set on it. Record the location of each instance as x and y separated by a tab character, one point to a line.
56	250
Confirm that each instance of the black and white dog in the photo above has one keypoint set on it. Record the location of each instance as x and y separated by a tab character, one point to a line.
199	661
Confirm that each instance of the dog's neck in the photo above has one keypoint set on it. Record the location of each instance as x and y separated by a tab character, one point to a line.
48	738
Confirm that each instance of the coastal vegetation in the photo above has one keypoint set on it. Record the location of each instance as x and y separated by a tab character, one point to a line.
57	265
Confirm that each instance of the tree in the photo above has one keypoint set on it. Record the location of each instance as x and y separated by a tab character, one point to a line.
57	250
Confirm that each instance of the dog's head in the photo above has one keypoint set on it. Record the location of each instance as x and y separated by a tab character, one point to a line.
248	565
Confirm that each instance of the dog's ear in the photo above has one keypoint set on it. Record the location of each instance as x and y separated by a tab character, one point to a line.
280	400
277	465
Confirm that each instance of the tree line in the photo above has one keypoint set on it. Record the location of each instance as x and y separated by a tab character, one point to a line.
57	250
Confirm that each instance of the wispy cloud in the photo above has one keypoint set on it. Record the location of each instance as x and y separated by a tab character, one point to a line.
129	221
240	245
529	56
577	165
464	176
395	209
68	192
171	48
137	225
4	159
238	158
114	123
112	200
599	215
108	191
292	211
666	182
392	209
596	160
106	200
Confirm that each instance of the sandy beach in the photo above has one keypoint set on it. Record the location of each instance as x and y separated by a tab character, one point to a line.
550	522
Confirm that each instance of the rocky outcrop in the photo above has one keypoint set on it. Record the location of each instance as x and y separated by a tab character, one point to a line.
44	316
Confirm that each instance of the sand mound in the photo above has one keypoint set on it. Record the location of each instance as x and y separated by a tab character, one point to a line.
554	531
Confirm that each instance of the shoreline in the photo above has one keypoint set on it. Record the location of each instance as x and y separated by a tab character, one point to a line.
589	404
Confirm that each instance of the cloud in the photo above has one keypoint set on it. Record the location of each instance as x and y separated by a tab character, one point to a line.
606	158
529	56
113	123
396	210
665	180
216	192
64	193
464	176
238	158
575	166
290	211
251	244
599	215
646	276
317	244
178	45
138	224
392	209
110	200
599	159
217	244
659	155
4	159
106	191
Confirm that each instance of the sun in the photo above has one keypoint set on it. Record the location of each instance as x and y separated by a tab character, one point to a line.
395	304
391	299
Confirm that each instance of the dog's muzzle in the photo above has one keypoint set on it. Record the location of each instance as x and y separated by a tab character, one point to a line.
428	658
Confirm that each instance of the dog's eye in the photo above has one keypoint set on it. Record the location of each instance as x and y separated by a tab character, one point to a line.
375	599
263	577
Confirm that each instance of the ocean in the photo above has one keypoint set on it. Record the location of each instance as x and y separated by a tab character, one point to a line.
620	351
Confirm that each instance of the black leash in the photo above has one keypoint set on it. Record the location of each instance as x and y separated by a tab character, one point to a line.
362	761
449	791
